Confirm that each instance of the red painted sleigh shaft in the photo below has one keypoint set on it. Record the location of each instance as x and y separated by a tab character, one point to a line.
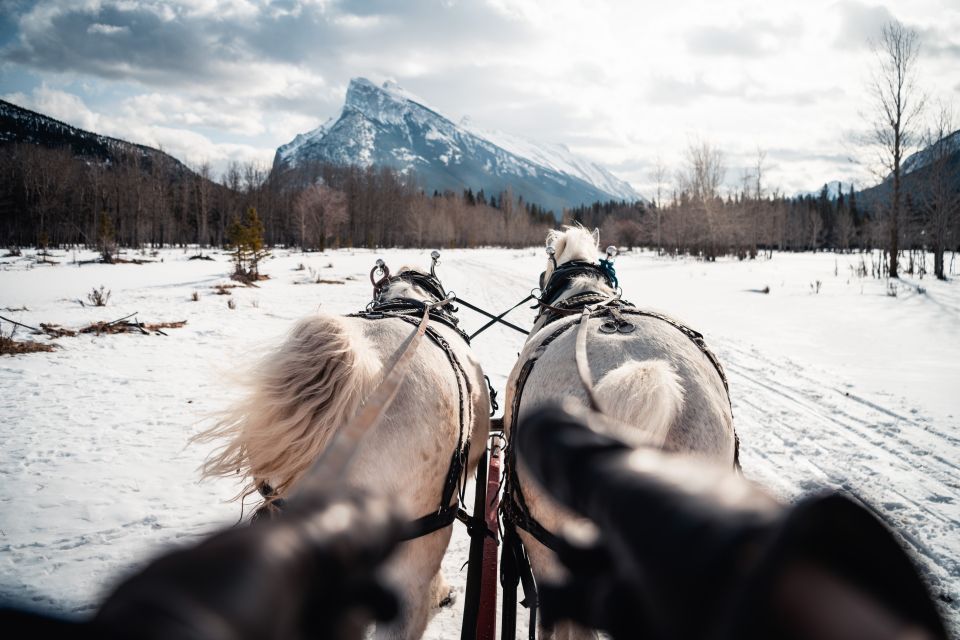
487	616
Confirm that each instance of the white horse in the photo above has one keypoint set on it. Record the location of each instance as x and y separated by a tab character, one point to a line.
316	382
653	378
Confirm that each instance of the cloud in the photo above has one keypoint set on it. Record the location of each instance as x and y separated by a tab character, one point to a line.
106	29
226	44
860	24
134	125
748	38
59	105
116	41
939	42
667	90
230	114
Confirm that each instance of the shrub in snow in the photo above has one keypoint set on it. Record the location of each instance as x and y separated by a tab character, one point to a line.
99	297
246	240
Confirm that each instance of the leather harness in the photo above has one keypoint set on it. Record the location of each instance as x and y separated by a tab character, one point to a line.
514	505
411	311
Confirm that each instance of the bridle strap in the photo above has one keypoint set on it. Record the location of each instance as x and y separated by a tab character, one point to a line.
562	275
583	363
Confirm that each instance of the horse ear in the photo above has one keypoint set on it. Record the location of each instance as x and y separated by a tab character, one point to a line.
596	237
552	236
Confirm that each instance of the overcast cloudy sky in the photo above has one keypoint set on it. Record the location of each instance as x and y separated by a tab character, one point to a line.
620	82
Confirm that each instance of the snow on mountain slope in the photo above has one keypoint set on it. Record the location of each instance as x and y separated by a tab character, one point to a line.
388	126
558	157
928	155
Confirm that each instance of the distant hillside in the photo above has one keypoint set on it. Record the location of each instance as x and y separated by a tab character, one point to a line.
23	125
386	126
917	170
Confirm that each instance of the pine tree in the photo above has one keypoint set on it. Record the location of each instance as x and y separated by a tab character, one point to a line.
237	239
254	238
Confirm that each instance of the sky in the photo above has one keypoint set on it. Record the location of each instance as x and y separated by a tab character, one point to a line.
627	84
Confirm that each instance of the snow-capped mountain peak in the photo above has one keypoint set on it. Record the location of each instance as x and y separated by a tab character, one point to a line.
387	125
559	157
928	155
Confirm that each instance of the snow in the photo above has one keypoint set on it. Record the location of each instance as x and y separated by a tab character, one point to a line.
289	152
920	159
369	107
845	387
558	157
387	104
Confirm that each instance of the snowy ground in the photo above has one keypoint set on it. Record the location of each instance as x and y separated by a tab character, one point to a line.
848	387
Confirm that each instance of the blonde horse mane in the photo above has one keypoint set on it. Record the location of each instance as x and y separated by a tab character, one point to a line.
572	242
297	397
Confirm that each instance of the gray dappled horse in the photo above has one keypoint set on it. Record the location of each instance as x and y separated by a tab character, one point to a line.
648	372
315	382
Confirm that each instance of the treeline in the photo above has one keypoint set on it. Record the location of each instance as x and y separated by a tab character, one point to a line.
738	225
745	226
699	220
50	197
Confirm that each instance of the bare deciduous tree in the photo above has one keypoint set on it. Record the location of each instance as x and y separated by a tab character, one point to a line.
659	174
898	103
320	212
700	179
939	198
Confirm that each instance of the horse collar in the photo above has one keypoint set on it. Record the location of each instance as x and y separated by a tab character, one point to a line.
564	274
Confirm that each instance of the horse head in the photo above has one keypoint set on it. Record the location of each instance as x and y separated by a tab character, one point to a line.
568	244
572	266
409	283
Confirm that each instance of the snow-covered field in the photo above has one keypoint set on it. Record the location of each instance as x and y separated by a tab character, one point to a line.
846	387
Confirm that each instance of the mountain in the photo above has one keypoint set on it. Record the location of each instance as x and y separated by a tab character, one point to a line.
918	169
925	157
387	126
22	125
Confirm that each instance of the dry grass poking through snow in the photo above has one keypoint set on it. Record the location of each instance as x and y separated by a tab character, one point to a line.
9	346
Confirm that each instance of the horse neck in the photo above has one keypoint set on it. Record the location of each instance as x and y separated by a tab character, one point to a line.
580	284
583	284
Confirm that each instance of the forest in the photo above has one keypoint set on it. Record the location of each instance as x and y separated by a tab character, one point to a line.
52	198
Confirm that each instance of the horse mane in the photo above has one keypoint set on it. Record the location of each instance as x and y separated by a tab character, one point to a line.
574	242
